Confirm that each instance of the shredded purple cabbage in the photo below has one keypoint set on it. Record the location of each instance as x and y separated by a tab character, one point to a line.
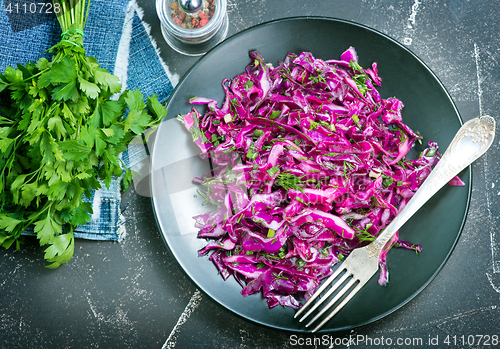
309	164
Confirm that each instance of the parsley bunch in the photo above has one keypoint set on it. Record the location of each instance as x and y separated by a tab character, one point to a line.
60	138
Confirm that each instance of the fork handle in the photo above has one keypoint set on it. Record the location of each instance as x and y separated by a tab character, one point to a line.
471	141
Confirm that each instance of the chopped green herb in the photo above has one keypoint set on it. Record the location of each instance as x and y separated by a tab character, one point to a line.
251	153
258	133
248	85
275	114
272	171
387	181
278	276
271	233
300	263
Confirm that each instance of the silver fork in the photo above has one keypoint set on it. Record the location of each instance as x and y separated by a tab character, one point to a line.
471	141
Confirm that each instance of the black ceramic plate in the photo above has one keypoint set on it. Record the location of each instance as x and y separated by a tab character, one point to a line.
428	109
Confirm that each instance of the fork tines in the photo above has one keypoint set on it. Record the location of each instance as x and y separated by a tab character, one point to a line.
357	269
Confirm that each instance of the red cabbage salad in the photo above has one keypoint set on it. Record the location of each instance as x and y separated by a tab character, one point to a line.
308	163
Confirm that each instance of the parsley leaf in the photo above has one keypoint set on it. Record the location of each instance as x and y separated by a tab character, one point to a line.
91	89
60	136
60	251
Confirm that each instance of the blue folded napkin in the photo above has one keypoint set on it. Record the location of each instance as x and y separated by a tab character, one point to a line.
118	38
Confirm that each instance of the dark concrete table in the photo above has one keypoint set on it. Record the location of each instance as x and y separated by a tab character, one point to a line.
133	294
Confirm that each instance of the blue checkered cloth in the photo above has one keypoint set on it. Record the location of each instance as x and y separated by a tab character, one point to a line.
118	38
